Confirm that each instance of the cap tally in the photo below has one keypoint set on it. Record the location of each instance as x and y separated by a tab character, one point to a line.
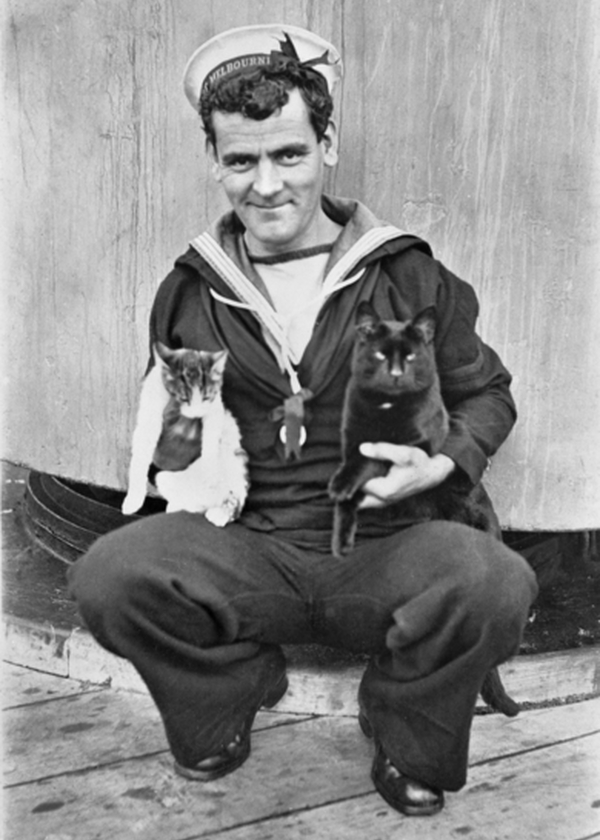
255	46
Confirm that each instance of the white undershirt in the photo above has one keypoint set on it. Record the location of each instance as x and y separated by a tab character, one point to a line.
295	290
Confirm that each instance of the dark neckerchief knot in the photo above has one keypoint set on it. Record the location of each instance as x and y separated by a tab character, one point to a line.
292	412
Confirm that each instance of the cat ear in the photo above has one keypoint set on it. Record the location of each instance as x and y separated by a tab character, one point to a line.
366	318
219	358
161	352
425	323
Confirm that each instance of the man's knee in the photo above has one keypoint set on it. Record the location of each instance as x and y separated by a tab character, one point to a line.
106	576
157	571
470	586
480	572
493	583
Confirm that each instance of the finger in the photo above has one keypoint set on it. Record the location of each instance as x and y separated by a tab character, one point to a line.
397	485
379	488
372	502
382	451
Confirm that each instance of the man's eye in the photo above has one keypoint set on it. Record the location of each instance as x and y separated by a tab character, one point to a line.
289	157
240	164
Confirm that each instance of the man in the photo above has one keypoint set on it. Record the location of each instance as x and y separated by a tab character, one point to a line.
202	611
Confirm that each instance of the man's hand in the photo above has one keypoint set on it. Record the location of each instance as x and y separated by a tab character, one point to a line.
411	471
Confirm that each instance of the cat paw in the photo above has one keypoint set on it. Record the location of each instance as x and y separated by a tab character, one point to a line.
131	503
340	548
220	516
339	489
173	507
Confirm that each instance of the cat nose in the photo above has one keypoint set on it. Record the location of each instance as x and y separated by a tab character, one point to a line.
396	370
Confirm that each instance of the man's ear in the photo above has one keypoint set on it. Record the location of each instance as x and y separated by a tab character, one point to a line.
330	144
215	167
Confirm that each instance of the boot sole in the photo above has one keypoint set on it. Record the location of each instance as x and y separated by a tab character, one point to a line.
271	697
404	808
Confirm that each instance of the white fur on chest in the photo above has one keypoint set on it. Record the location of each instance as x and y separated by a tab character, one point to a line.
215	484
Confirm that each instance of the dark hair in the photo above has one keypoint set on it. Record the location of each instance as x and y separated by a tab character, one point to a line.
259	92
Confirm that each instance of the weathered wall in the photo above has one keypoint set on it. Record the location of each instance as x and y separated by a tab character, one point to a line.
473	124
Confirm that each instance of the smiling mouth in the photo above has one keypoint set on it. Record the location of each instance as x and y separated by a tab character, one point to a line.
270	206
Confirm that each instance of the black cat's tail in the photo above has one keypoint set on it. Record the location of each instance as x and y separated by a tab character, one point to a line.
494	694
344	526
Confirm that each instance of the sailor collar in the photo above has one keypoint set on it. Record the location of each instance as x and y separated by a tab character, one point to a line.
222	249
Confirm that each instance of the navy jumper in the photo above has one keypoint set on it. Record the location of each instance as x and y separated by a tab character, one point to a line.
202	612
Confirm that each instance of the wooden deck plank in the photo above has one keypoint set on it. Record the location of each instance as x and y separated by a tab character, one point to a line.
306	766
543	678
22	686
292	767
88	730
315	688
548	677
547	794
81	731
495	735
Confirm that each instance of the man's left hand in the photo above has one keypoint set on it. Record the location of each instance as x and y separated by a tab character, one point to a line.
412	470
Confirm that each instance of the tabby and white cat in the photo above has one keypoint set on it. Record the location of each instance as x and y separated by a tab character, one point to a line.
185	440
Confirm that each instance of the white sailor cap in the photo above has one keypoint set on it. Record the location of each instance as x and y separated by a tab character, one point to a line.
253	46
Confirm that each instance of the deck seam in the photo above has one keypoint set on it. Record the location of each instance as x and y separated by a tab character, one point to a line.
82	770
372	793
292	812
537	748
152	754
93	689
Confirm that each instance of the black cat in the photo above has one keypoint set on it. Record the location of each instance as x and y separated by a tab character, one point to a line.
393	395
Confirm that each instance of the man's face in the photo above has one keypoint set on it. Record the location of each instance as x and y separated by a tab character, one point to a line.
272	172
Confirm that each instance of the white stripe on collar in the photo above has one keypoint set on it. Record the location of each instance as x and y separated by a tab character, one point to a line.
229	301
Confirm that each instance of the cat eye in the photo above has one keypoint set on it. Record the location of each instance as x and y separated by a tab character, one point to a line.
410	357
379	355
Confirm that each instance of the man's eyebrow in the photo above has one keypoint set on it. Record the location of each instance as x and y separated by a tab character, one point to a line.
298	148
233	157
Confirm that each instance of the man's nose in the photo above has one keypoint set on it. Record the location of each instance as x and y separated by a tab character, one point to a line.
267	181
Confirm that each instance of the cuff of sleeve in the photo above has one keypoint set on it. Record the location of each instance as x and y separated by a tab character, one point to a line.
468	457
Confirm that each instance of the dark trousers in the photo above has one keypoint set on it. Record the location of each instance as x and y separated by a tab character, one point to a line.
201	612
